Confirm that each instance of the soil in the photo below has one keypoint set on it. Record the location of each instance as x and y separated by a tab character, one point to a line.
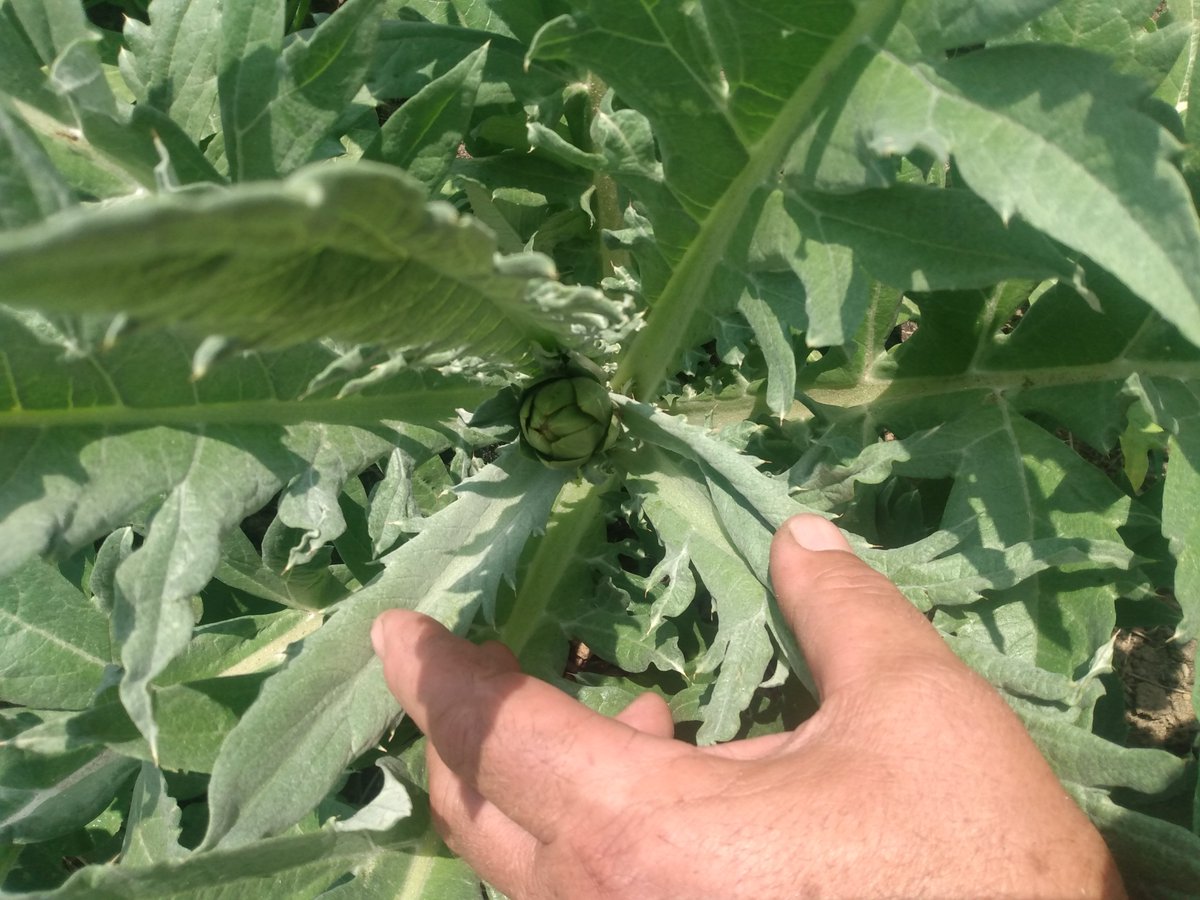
1158	676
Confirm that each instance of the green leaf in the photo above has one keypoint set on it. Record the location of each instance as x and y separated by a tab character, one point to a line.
423	136
1118	30
279	104
251	40
962	243
1016	675
1067	151
172	62
243	568
428	869
557	574
497	16
330	703
411	55
192	720
940	25
127	143
43	796
292	867
1160	858
681	511
744	106
53	642
260	262
1182	530
680	589
407	493
391	805
152	830
1140	437
1082	758
319	74
771	332
617	636
240	646
90	431
30	187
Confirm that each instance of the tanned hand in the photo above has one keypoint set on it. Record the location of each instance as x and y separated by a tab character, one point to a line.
913	779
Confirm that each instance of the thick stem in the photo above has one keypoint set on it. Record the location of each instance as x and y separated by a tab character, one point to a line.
299	15
608	202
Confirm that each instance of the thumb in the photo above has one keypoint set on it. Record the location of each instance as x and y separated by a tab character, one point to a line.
850	621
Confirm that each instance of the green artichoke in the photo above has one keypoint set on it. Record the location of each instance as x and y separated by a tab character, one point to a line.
567	419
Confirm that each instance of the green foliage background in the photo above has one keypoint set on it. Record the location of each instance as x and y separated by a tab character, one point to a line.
273	277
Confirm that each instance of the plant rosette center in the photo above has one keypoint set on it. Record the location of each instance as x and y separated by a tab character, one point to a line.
567	419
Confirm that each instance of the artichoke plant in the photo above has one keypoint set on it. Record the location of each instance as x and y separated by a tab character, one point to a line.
567	419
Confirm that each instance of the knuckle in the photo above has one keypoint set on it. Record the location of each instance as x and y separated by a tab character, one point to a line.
849	575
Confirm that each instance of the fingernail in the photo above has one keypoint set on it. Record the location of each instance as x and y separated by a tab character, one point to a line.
377	638
814	533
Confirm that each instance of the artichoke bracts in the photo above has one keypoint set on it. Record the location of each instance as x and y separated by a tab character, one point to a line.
567	419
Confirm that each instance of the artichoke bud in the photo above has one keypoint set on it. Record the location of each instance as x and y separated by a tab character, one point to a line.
567	419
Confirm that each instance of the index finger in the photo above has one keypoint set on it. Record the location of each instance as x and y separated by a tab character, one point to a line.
535	753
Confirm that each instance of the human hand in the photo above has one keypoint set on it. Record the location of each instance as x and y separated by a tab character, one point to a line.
912	779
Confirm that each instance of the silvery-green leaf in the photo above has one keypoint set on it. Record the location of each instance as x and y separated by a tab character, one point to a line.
258	262
330	703
54	643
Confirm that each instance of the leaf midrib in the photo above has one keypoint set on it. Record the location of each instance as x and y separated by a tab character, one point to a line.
997	381
27	627
871	390
422	405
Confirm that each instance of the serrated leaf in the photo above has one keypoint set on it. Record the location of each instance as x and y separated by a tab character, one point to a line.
626	640
496	16
251	38
411	54
1118	30
85	430
172	63
1015	675
330	703
399	503
319	74
962	243
259	262
557	576
153	617
745	107
676	584
125	143
243	568
681	511
152	829
771	332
